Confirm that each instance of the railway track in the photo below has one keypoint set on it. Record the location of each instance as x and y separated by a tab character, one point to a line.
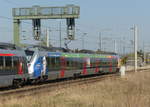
36	89
51	86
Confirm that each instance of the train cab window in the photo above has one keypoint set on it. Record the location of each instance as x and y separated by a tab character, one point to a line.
29	55
1	62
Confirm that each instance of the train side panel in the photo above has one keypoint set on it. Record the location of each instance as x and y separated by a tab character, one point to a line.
55	65
12	67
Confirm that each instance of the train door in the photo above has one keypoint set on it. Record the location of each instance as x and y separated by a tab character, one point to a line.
20	66
38	67
97	65
110	64
44	64
86	64
63	66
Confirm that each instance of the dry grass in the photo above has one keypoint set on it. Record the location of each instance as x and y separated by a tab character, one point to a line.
131	91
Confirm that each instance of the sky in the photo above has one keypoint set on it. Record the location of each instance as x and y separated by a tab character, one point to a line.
113	18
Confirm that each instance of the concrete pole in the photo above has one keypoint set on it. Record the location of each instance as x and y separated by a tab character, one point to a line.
115	46
135	47
144	53
83	40
100	41
60	34
47	36
16	29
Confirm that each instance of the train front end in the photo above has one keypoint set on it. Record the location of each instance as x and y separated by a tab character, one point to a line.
36	64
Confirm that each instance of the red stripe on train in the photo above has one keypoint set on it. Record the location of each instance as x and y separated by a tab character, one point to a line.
62	73
63	67
84	69
9	54
20	69
110	68
97	66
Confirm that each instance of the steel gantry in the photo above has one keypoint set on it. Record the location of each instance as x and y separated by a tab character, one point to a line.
36	13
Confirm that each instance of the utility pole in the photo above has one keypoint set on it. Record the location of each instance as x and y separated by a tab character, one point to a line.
47	36
100	41
144	53
60	34
83	40
124	47
115	46
135	29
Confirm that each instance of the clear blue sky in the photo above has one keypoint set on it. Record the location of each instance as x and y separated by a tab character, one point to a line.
96	15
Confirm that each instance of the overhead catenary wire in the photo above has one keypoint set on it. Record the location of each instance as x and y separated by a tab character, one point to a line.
11	19
11	2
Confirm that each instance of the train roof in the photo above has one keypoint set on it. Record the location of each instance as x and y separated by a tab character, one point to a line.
96	52
9	46
80	55
63	50
43	48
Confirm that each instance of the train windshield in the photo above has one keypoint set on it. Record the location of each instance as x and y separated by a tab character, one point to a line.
29	54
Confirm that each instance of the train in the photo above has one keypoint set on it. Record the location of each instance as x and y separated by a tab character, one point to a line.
50	64
13	65
36	63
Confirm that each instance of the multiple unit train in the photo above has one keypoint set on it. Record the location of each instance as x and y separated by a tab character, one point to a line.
13	65
35	63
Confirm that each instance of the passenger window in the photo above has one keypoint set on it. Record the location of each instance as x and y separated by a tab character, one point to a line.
52	62
15	63
74	63
57	62
78	63
48	61
1	62
68	63
8	62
